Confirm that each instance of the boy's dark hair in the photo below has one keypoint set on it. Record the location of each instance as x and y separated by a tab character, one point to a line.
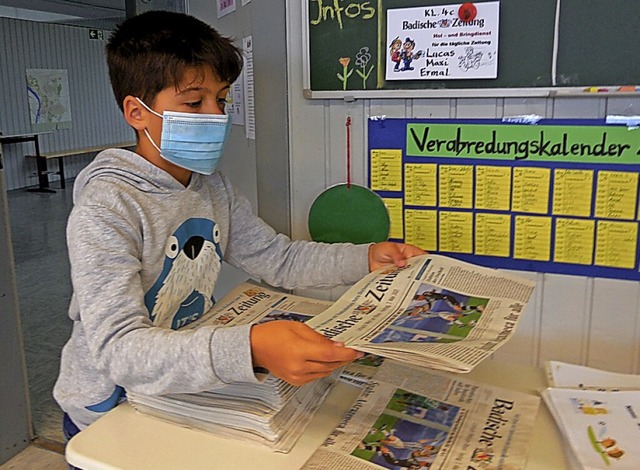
150	52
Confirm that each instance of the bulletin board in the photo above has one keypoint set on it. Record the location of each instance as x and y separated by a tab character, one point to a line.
544	48
559	196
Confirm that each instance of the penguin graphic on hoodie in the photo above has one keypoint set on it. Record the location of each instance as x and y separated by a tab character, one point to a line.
183	291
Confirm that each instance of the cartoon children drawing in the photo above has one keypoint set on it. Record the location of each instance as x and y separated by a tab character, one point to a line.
407	55
394	52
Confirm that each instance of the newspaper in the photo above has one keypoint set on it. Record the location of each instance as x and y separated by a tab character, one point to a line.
251	302
272	413
598	414
435	312
408	418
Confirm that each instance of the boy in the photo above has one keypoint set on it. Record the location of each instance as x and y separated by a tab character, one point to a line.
149	231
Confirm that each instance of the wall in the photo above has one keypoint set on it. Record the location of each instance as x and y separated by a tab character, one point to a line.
259	168
574	319
96	117
14	406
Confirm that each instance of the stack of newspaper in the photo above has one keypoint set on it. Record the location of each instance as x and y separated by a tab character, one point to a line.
598	414
409	418
435	312
272	413
240	416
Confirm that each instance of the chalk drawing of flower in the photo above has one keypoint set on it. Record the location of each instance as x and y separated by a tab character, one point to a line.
363	57
346	73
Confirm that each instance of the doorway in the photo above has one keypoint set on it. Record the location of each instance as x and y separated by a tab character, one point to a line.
38	224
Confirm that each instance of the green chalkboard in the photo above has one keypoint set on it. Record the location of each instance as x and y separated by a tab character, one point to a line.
338	34
347	50
598	42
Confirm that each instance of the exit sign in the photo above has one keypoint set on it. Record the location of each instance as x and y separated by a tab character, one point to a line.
96	34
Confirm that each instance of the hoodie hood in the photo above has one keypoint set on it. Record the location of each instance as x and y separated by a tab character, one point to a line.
124	166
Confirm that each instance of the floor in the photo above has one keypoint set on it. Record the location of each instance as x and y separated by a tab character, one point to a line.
36	458
38	222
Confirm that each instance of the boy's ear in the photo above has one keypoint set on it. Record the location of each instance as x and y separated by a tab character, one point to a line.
134	113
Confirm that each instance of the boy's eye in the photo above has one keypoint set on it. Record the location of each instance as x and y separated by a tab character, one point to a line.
224	102
194	104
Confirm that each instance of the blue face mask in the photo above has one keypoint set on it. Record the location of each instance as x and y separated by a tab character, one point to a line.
192	140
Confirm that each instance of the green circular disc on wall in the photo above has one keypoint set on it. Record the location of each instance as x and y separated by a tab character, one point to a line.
348	214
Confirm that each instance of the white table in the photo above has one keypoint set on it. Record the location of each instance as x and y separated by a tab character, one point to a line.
125	439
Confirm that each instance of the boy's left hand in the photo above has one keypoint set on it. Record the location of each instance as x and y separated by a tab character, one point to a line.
385	253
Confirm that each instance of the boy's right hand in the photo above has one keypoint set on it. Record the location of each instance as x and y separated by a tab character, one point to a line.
294	352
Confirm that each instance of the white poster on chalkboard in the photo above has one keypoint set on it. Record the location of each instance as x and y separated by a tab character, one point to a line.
443	42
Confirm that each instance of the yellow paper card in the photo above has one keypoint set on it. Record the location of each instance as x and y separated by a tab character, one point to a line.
572	191
493	187
420	184
531	190
386	170
574	241
456	229
616	244
532	238
493	235
456	186
616	195
421	228
394	207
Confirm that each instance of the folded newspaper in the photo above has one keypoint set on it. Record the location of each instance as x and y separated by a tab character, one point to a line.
409	418
435	312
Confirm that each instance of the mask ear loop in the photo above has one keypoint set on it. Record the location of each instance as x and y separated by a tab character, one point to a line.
149	109
146	132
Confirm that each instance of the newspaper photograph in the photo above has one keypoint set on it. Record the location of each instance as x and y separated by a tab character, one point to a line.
406	418
436	312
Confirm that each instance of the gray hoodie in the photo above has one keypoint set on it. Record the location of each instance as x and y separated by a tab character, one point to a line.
145	256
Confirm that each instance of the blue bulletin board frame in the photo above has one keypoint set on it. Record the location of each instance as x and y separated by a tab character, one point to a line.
392	133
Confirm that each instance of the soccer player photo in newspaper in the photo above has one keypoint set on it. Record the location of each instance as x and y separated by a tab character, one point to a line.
410	432
435	315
